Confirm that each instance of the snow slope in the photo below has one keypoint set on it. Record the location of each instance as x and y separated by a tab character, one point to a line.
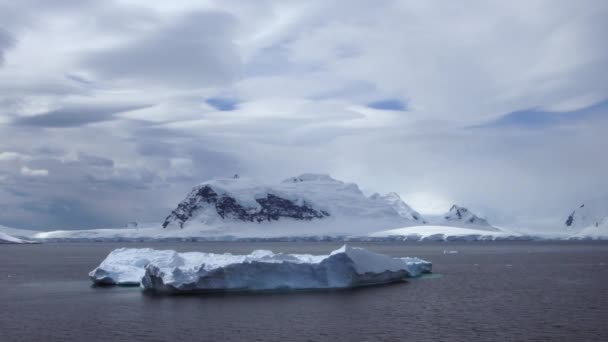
169	271
14	235
442	232
395	201
147	232
23	234
5	238
592	232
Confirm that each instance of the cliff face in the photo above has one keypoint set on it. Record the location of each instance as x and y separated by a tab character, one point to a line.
269	208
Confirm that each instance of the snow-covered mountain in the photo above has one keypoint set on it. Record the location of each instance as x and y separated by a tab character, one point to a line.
462	217
306	204
589	219
317	207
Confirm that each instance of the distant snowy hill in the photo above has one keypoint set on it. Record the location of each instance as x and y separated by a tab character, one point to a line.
6	238
15	236
589	219
459	223
443	232
309	204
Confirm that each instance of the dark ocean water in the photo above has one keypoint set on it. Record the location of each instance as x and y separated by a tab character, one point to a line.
488	291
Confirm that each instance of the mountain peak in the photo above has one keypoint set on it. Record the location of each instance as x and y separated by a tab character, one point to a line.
589	214
464	215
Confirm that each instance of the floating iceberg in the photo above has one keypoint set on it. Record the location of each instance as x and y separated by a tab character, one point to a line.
169	271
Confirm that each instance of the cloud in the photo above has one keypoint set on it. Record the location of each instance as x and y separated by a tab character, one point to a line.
96	161
539	118
496	105
75	116
6	41
12	156
26	171
194	50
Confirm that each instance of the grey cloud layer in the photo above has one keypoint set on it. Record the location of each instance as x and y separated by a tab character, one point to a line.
113	100
195	50
6	41
74	116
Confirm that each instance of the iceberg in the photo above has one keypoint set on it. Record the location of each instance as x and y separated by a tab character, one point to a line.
173	272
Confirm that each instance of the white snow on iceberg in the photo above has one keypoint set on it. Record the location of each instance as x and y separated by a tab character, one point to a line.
169	271
126	266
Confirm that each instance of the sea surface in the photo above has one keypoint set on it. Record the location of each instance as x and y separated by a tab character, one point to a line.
479	291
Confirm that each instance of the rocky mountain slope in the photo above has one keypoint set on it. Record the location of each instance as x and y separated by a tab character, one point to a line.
316	198
589	219
463	217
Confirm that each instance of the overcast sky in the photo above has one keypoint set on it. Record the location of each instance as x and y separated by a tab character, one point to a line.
110	111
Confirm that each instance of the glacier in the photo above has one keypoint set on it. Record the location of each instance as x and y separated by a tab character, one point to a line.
168	271
6	238
445	233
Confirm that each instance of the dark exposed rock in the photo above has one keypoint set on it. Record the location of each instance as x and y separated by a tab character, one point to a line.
275	207
458	213
570	219
272	208
590	215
